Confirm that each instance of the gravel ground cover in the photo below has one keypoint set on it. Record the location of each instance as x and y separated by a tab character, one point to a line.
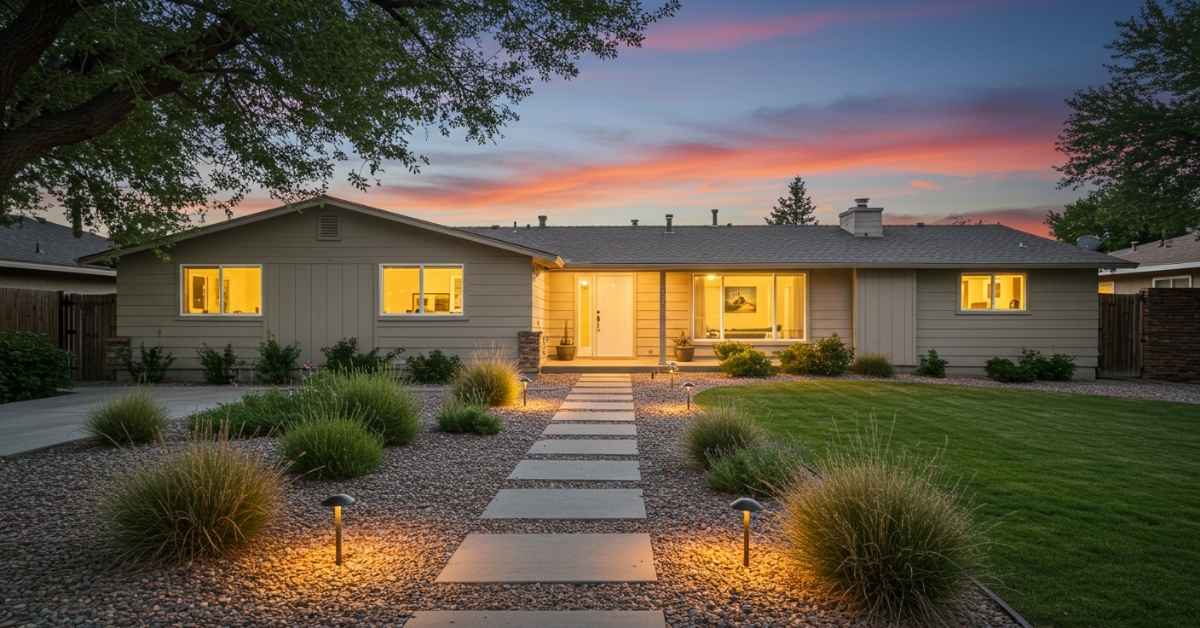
411	516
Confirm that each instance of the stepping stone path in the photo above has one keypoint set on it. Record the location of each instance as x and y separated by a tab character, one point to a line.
599	406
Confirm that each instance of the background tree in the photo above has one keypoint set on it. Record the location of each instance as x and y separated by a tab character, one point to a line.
796	208
1137	138
129	113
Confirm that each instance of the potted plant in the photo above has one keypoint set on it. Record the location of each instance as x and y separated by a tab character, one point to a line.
684	349
566	346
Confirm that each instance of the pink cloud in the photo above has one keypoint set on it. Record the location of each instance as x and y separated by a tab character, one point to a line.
1027	219
924	185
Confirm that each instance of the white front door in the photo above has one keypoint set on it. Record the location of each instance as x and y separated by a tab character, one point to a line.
614	316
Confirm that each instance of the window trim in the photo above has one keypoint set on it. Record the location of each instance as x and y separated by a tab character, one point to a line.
1171	279
422	315
774	313
992	311
220	313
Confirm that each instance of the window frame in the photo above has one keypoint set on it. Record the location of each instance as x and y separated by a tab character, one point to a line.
1172	279
992	311
221	313
1112	287
422	314
774	310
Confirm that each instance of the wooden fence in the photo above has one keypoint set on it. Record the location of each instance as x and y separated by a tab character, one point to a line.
79	323
1120	335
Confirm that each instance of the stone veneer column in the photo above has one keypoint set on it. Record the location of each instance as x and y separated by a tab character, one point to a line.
115	351
529	351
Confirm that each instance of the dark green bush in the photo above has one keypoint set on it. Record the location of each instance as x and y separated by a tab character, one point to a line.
204	502
134	419
873	365
31	366
828	356
331	443
491	381
459	417
729	347
152	367
882	536
344	357
276	362
1058	367
1003	370
932	365
386	407
435	368
219	366
719	431
256	414
762	471
798	358
747	363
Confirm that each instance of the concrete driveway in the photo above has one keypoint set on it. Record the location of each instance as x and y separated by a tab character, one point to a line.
29	425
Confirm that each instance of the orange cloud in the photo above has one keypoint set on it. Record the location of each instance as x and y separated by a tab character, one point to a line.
922	184
1028	219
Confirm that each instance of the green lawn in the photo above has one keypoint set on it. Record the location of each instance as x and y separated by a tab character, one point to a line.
1095	501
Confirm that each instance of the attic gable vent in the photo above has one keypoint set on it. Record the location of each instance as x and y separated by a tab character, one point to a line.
328	227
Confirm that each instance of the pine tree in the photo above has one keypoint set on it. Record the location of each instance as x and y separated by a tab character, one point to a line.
797	208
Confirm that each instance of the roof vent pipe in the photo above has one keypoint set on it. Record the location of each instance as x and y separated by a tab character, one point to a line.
541	221
714	213
670	219
633	221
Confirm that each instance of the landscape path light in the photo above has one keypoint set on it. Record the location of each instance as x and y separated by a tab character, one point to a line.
672	368
688	386
338	502
747	506
525	391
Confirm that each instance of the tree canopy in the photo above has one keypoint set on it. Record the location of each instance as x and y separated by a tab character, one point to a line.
130	113
797	208
1136	140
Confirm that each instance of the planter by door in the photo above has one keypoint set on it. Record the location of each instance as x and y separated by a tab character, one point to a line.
685	354
565	352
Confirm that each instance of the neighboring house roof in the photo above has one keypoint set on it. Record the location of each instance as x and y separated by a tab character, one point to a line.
1180	253
35	244
541	256
908	246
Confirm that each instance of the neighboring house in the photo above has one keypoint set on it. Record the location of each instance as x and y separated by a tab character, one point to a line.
40	255
1173	263
321	270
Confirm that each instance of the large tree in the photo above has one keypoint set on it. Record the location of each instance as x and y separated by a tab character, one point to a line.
797	208
130	113
1136	140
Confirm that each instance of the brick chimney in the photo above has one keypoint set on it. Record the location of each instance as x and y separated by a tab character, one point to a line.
863	221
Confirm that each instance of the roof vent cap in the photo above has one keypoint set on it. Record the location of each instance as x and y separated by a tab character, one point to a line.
670	219
542	221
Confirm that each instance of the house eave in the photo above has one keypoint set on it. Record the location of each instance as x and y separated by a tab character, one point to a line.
59	268
802	265
1157	268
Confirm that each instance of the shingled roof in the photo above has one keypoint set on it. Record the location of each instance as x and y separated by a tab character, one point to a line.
1181	250
764	245
32	241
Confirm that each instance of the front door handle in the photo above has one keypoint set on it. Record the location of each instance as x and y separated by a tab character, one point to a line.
597	321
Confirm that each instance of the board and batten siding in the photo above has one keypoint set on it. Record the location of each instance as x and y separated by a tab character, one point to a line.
1062	317
885	314
317	292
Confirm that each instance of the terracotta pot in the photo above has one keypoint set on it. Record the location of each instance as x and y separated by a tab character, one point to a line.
685	354
566	352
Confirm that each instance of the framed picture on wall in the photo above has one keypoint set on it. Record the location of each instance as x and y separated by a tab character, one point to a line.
742	300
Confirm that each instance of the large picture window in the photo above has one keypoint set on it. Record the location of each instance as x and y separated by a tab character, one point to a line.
751	306
992	292
221	290
421	290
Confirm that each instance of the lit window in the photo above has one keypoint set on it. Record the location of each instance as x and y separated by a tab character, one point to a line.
749	307
221	290
421	290
1108	287
998	292
1180	281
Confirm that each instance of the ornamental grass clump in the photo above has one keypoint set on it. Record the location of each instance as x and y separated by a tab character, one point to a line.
460	417
385	406
882	534
761	471
205	502
331	442
256	414
873	365
719	431
134	419
490	381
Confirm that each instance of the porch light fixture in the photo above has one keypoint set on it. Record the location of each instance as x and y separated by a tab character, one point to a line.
688	386
710	277
524	391
747	506
337	502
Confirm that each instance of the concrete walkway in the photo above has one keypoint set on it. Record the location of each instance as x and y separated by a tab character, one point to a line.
30	425
570	557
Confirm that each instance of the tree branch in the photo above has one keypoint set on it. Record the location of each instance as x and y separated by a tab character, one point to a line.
28	36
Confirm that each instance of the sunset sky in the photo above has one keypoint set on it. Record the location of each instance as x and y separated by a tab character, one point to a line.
931	108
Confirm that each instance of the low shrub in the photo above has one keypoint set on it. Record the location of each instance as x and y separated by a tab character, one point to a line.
931	365
1003	370
276	362
491	381
31	366
873	365
256	414
134	419
219	366
152	366
344	357
435	368
385	407
204	502
331	443
459	417
1058	367
729	347
747	363
879	534
719	431
762	471
828	356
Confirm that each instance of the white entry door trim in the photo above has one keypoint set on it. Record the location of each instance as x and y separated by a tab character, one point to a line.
611	314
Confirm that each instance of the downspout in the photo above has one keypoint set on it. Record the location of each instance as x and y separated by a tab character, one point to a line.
662	318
